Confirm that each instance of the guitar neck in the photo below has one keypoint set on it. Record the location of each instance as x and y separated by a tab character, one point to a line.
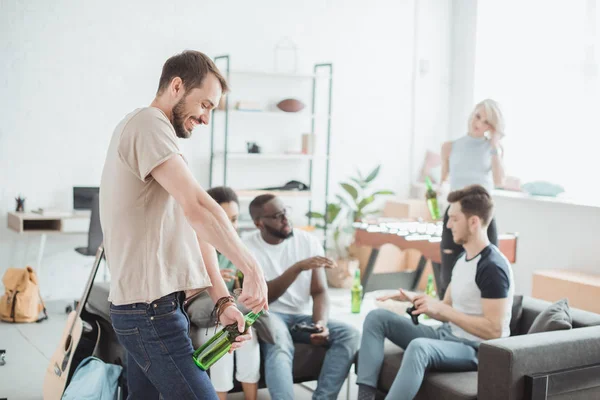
88	287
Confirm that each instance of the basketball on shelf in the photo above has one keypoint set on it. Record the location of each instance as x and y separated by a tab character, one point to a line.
290	105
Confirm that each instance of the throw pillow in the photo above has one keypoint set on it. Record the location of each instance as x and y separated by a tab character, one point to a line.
262	326
199	310
554	318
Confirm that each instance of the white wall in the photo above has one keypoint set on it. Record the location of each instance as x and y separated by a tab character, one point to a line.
464	35
433	68
552	235
70	70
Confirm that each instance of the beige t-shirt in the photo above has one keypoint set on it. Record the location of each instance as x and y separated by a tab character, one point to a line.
151	249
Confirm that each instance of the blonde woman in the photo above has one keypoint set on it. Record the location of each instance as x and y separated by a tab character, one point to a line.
475	158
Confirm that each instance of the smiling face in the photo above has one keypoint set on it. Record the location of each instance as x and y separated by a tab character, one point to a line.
194	106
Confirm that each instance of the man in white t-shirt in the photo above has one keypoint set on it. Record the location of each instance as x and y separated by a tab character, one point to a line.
293	264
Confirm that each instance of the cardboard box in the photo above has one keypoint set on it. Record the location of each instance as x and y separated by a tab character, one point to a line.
580	288
409	208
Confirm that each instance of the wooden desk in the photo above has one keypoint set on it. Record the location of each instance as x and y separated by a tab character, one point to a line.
58	223
425	237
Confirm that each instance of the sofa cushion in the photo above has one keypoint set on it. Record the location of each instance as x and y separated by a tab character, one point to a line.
449	386
556	317
200	310
391	363
533	307
436	385
263	329
308	360
516	315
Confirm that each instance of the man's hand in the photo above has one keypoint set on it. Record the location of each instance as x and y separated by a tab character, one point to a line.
426	304
401	295
316	262
233	315
321	338
254	292
227	274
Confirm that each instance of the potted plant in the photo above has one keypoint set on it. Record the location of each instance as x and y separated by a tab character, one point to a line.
356	202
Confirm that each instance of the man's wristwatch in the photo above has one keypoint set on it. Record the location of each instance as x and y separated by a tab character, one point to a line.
496	151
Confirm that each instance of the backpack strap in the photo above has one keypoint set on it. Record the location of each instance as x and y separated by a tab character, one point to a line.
14	304
95	351
45	317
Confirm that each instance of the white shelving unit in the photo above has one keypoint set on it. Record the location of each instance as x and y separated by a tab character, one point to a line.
250	194
267	74
268	156
276	114
268	128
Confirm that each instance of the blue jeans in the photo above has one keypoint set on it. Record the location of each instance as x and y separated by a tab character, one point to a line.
159	350
424	348
342	347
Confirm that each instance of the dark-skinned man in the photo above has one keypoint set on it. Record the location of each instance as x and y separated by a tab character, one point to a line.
293	263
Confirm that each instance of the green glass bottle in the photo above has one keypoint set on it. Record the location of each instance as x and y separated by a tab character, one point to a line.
239	276
429	290
357	292
212	351
432	202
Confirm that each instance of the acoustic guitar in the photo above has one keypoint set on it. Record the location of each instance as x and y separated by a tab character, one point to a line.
79	340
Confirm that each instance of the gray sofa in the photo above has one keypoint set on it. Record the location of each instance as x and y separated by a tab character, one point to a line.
559	365
307	360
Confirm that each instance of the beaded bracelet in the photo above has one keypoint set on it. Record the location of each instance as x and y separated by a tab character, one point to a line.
220	307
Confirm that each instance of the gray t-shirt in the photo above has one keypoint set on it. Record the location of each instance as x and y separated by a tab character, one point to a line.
471	163
151	249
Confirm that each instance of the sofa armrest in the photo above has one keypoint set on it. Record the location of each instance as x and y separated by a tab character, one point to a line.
503	363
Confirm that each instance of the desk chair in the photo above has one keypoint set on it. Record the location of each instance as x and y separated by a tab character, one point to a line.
95	238
95	232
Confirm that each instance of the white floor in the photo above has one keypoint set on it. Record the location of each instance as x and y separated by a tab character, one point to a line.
29	346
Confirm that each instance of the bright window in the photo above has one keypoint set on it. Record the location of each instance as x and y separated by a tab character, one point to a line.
540	60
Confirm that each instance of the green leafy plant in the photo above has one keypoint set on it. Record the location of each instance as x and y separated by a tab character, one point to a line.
354	203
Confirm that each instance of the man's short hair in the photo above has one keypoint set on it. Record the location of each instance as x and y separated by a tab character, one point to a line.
223	194
192	67
474	200
257	204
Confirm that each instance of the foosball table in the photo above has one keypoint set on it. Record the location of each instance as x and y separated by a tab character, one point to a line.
411	234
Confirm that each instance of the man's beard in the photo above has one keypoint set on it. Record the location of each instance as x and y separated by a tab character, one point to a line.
279	233
462	240
178	120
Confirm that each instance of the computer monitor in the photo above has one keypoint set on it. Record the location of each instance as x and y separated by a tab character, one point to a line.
83	196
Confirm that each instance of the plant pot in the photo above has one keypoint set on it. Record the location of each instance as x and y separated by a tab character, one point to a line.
343	275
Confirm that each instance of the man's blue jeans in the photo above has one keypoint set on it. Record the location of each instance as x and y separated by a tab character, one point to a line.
159	350
424	348
342	347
